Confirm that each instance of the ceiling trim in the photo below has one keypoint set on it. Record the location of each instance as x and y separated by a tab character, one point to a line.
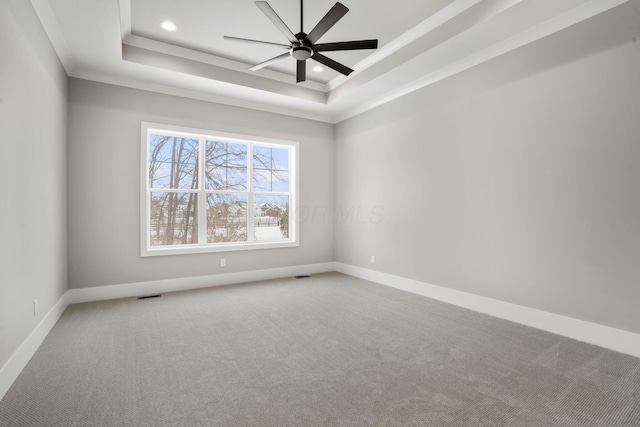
166	89
52	28
439	18
207	58
221	74
178	71
124	8
551	26
455	28
129	38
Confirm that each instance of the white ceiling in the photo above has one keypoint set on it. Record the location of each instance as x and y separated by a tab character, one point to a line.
206	21
420	43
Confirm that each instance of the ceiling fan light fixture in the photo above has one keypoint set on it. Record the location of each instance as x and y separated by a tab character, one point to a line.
301	53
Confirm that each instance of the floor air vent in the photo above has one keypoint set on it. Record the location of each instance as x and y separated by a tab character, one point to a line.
150	296
301	277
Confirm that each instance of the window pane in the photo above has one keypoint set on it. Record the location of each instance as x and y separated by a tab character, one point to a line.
173	162
226	167
270	169
271	218
226	218
174	218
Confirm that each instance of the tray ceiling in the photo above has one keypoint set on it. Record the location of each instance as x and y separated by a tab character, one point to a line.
420	43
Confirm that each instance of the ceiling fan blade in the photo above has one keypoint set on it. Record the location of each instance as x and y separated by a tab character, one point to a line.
277	21
301	72
352	45
343	69
334	15
269	62
239	39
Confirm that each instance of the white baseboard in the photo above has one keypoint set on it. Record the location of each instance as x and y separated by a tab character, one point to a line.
16	363
171	285
592	333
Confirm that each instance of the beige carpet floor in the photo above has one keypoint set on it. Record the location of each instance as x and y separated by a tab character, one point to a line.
330	350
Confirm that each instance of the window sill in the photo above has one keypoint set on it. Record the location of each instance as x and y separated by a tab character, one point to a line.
220	247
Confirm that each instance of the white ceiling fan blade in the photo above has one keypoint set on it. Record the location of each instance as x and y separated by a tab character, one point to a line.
269	62
240	39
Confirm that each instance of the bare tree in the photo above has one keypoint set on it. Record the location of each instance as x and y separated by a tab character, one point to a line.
173	164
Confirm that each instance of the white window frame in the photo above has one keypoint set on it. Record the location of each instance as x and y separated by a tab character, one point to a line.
203	247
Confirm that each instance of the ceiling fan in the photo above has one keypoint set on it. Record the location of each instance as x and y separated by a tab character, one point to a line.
304	46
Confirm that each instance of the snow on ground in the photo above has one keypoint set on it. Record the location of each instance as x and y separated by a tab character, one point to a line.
268	233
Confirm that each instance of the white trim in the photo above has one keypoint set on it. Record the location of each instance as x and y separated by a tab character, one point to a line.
16	363
531	35
314	113
592	333
202	201
128	38
124	8
54	33
434	21
251	214
216	248
127	290
315	89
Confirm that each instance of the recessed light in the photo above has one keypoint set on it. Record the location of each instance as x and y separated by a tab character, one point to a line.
168	26
318	69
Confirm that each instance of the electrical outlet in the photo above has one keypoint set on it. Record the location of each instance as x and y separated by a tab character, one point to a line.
373	259
35	307
223	262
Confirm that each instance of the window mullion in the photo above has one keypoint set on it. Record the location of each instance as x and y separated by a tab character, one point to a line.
250	204
147	191
202	195
292	184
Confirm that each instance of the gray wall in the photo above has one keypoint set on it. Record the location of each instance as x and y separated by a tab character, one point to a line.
33	253
517	180
104	183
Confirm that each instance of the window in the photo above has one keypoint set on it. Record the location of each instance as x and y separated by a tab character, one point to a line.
205	191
